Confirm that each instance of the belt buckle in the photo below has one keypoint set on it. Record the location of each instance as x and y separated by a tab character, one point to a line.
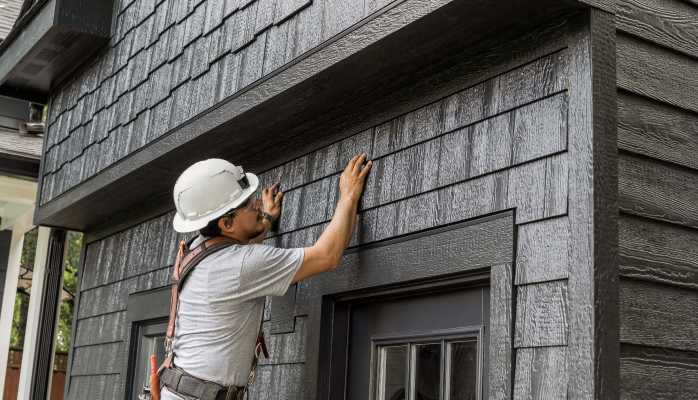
232	392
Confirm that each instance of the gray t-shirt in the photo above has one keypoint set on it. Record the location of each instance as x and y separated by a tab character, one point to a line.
221	306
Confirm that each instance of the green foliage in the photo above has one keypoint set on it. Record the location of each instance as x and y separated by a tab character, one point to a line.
14	336
70	277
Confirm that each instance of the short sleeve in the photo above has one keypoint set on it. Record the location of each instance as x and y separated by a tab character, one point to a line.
268	271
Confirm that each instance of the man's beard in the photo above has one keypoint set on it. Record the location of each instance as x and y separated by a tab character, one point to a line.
257	232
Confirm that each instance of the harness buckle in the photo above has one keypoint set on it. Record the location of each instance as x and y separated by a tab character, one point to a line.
168	346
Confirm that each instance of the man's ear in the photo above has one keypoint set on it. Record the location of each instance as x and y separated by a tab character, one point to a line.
222	224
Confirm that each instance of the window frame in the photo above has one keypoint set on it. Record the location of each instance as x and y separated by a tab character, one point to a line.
143	308
409	339
144	329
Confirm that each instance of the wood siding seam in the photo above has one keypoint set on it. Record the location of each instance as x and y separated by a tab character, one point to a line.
274	171
665	75
658	315
658	251
656	190
657	130
668	23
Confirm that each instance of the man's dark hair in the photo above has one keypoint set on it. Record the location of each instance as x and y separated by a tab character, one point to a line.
212	229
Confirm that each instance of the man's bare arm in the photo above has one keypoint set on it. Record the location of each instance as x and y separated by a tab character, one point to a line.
325	254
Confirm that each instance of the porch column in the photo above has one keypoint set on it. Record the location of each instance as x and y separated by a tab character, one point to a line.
34	313
18	228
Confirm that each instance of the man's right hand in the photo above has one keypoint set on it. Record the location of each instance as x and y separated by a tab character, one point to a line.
351	183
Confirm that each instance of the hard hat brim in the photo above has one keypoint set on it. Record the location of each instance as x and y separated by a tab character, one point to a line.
183	226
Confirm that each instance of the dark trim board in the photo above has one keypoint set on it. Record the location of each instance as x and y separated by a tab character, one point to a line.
465	255
151	306
19	167
593	209
73	327
394	48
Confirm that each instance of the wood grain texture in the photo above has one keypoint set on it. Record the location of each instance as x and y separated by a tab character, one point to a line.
527	191
647	372
542	251
541	315
658	315
657	130
285	348
541	373
659	252
593	213
501	331
93	387
656	190
672	24
657	73
98	359
540	129
278	382
491	145
282	308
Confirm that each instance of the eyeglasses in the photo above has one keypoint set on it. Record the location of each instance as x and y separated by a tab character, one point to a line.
246	206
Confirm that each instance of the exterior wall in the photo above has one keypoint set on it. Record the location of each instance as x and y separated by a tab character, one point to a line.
170	60
657	55
496	144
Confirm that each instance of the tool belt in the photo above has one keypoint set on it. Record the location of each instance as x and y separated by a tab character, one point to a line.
176	379
191	388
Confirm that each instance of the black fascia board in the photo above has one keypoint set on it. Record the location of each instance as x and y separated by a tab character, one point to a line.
87	26
16	166
378	56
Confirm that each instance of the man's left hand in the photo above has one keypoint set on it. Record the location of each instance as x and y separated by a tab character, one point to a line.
272	204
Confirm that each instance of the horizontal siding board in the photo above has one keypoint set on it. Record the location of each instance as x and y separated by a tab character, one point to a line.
657	130
541	315
659	252
541	373
658	315
101	329
181	43
656	190
287	347
98	359
670	23
657	73
542	251
277	382
93	387
655	373
540	129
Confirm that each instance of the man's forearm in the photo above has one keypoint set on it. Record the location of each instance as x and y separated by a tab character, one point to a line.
338	234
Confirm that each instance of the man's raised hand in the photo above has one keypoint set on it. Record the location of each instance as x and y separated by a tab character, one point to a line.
272	204
351	183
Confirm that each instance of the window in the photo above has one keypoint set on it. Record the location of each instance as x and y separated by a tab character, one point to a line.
151	341
435	365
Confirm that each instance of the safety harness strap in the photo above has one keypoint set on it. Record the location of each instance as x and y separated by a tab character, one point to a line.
185	262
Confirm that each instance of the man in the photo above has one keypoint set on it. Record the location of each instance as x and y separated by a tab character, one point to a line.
221	305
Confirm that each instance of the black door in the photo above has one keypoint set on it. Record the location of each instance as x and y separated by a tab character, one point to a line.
427	346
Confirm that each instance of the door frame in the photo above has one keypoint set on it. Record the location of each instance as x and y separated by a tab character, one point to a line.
496	269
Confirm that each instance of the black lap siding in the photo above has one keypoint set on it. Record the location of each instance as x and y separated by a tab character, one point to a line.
658	186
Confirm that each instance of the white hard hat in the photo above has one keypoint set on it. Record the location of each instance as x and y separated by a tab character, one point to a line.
207	190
